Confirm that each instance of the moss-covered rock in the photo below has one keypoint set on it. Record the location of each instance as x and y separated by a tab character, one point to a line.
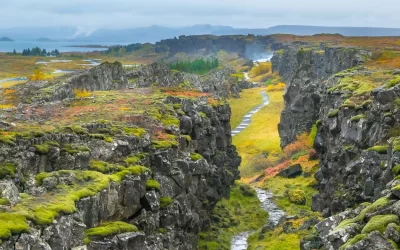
379	223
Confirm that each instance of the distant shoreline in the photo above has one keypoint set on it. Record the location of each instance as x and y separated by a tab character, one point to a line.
92	46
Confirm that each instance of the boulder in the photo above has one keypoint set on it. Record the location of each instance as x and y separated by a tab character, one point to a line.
292	171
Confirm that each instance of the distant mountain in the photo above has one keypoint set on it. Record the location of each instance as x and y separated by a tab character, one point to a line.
156	33
45	40
6	39
302	30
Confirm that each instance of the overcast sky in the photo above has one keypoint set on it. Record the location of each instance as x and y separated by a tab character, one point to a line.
93	14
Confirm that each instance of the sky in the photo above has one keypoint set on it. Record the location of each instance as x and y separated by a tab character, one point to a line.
89	15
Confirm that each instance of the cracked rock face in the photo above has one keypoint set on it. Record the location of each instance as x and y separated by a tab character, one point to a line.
304	72
194	187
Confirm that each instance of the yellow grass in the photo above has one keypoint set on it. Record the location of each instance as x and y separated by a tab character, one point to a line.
249	98
261	136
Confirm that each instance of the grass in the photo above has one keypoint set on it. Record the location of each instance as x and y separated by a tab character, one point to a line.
280	186
260	137
108	229
240	213
249	99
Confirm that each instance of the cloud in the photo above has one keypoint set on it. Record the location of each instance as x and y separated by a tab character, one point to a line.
89	15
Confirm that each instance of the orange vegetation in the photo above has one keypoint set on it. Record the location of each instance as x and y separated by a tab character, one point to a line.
276	87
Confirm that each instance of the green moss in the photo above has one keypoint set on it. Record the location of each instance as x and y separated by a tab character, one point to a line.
378	204
381	149
74	148
166	144
195	157
366	103
8	138
108	139
152	184
133	159
357	118
98	136
162	230
202	114
135	170
138	132
393	82
7	169
103	167
188	138
353	241
4	201
78	129
108	229
39	133
177	106
396	169
168	120
296	196
165	201
348	104
379	222
12	224
42	149
333	113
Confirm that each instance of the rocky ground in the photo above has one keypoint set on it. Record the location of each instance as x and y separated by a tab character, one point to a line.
112	167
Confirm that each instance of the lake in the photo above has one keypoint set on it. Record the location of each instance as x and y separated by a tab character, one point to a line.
61	46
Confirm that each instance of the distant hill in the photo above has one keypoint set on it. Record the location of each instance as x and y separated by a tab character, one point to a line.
45	40
156	33
345	31
6	39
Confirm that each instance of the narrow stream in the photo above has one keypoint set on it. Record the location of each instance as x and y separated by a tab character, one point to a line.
239	241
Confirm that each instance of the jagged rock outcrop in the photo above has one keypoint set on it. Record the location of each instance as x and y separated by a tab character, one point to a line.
219	82
246	46
358	145
304	71
107	76
60	184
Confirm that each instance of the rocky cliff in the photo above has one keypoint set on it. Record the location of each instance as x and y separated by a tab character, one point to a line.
246	46
147	179
304	71
107	76
356	113
219	82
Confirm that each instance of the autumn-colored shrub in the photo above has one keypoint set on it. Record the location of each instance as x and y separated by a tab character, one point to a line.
276	87
262	68
302	143
81	93
9	92
38	75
